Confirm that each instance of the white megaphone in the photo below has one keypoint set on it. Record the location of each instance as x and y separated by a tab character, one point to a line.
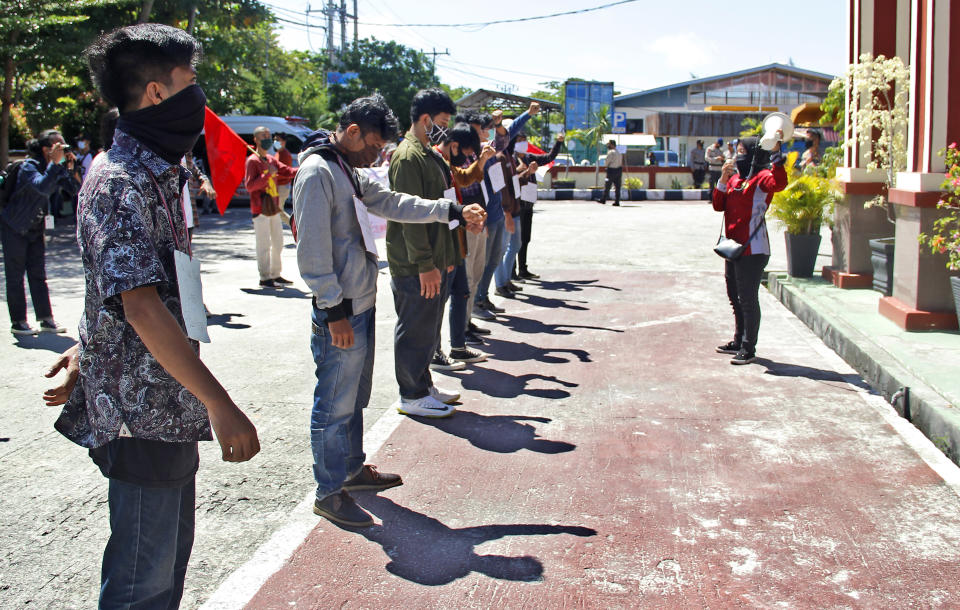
772	123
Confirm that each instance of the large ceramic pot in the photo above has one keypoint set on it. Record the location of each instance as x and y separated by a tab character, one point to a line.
802	253
955	284
881	256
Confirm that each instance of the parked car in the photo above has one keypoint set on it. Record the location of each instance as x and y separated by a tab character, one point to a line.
563	159
667	158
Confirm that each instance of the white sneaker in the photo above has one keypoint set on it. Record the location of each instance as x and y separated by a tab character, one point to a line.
428	406
444	396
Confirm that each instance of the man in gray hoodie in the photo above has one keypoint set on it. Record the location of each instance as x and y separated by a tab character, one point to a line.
338	258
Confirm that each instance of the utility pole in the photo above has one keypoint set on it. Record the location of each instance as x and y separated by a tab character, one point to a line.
328	13
433	60
343	26
356	16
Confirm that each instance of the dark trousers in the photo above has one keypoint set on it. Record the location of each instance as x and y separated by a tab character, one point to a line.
151	537
714	178
25	254
615	177
743	288
526	226
417	334
698	175
459	294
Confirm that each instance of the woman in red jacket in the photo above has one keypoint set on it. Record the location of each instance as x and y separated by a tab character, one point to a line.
743	194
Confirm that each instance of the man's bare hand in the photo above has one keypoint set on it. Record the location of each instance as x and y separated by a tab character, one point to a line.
341	333
272	170
497	117
207	188
68	361
561	137
430	283
534	108
235	433
474	214
532	168
487	152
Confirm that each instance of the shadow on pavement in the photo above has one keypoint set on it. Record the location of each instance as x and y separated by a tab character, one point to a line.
425	551
573	285
282	293
785	369
549	303
504	385
534	326
224	320
499	433
48	341
515	351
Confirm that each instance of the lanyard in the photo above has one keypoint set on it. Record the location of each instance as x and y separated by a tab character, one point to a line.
173	230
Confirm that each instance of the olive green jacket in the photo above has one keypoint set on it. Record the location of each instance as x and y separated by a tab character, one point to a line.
418	248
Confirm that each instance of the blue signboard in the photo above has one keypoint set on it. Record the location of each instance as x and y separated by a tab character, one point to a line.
619	124
584	98
340	78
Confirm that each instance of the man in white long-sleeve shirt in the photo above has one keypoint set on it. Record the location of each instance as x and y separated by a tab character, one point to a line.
338	260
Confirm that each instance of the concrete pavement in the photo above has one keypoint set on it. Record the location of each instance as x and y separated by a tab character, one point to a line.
605	457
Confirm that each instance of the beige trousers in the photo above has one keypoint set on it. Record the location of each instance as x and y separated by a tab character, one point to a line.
269	234
475	261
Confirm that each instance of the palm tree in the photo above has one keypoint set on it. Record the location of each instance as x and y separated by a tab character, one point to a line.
599	122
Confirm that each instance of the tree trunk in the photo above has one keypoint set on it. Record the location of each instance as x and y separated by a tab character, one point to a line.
146	7
192	19
6	101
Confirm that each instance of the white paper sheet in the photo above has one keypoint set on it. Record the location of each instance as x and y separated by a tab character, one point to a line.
187	206
516	186
529	192
486	195
497	181
363	218
191	296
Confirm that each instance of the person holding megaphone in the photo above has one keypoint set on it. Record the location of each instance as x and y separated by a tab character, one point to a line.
743	193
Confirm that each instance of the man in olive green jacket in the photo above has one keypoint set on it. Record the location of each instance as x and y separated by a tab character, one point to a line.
421	257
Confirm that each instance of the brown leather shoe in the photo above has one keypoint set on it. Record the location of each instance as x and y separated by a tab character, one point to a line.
370	479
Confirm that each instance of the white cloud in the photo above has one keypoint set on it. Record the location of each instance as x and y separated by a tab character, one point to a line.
684	51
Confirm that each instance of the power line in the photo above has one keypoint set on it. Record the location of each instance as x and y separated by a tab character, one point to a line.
483	24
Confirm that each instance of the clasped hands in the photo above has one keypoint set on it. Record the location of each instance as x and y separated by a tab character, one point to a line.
475	216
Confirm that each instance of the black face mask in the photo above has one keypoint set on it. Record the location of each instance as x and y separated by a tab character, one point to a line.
808	143
459	158
170	128
744	161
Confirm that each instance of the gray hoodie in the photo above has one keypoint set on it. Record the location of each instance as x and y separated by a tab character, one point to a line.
330	253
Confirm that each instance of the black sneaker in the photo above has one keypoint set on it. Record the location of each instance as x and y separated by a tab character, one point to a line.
514	287
49	326
471	338
341	508
280	280
616	204
744	357
442	362
465	354
728	348
370	479
269	284
22	328
473	328
526	275
505	292
479	311
491	307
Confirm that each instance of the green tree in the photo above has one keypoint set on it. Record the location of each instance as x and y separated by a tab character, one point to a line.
396	71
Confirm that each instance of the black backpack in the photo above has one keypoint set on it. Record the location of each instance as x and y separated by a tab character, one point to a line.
8	181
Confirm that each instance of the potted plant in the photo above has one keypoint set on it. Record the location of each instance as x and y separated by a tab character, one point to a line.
800	208
945	238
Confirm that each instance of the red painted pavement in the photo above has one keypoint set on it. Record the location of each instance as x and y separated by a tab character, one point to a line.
606	457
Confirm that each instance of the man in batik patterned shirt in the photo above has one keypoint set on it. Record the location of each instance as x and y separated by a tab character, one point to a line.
136	394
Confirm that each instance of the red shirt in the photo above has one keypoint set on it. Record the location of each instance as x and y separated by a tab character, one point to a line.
744	204
258	175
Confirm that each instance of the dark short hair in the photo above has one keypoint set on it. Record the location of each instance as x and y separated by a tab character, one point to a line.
371	114
43	140
465	136
123	61
476	117
431	102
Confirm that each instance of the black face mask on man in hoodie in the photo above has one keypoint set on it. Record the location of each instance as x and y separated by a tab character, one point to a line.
169	128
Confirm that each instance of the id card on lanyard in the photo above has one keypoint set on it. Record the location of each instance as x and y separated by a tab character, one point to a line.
188	278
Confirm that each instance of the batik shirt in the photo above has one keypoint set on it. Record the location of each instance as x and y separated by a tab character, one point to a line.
127	241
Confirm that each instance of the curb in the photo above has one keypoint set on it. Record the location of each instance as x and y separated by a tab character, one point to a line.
626	194
910	395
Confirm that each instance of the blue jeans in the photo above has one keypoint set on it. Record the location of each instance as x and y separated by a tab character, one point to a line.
151	536
344	381
511	247
459	293
495	248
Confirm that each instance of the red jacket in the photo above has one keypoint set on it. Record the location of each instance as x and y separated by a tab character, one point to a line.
744	204
257	176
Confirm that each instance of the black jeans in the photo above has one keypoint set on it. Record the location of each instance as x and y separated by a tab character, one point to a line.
417	334
743	288
526	226
615	177
25	254
698	175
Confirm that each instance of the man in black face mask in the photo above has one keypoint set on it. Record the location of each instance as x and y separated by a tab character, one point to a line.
338	257
141	399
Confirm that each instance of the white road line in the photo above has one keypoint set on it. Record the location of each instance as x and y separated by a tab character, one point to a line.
239	588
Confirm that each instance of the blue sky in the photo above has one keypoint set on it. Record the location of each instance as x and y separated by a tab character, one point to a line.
640	45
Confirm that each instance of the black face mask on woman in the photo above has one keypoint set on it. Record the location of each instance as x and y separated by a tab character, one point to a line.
745	160
169	128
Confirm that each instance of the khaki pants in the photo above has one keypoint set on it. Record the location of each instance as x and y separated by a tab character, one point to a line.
269	234
475	262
